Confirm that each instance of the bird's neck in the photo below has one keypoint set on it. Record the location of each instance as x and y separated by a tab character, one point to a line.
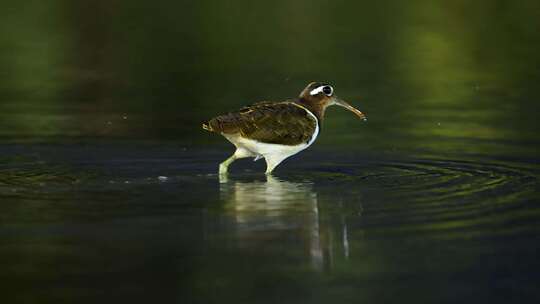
316	108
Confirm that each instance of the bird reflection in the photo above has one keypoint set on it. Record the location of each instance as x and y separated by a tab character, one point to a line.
282	211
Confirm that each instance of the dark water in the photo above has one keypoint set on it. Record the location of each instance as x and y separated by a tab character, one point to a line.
108	186
154	222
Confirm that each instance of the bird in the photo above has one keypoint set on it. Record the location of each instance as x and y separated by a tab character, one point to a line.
276	130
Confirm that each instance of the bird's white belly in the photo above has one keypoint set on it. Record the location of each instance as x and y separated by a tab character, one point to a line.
265	149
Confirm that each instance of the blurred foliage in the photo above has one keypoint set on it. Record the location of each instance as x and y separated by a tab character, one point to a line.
422	70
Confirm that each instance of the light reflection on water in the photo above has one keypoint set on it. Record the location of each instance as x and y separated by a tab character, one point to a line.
277	206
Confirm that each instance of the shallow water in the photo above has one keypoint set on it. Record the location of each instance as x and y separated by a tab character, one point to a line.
146	222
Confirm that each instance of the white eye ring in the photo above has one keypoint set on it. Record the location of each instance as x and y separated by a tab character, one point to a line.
320	89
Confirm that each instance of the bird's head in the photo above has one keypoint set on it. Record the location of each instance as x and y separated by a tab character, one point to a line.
321	95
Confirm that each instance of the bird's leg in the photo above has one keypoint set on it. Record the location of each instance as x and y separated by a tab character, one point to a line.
239	153
272	161
224	166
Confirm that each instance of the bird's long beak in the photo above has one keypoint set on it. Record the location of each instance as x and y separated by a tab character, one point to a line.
346	105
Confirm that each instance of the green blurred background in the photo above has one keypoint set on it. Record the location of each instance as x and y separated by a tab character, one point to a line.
444	76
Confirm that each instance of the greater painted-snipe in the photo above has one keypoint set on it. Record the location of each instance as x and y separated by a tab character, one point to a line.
275	130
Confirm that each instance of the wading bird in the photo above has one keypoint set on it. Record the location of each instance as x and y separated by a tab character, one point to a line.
275	130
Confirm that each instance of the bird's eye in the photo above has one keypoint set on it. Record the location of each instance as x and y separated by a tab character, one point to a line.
327	90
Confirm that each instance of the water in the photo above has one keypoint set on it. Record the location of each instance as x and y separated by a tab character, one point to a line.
154	222
108	185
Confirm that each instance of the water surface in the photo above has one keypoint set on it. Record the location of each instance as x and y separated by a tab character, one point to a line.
146	222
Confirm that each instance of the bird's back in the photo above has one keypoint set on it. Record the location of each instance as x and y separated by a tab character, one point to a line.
286	123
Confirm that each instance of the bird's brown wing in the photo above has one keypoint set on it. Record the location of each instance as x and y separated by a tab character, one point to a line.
269	122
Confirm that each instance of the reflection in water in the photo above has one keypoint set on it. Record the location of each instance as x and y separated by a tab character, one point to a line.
268	210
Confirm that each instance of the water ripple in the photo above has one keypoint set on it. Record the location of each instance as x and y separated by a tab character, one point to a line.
435	194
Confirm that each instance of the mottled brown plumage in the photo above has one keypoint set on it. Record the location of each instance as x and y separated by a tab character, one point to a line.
285	123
